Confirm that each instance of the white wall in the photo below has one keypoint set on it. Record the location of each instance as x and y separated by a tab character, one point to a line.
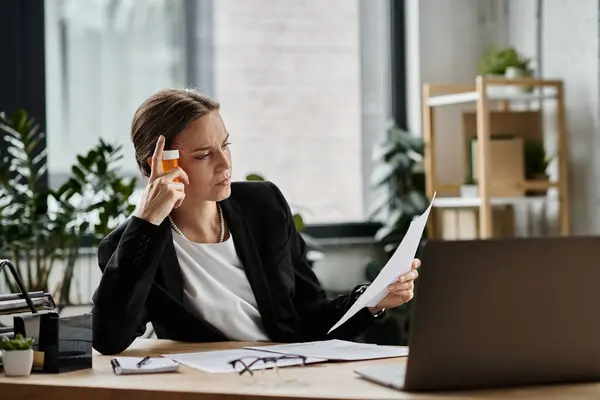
569	51
445	40
446	37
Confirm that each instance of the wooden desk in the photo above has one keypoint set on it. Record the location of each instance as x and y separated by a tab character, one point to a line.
319	381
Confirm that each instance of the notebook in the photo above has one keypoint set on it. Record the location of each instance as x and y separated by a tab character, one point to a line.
129	365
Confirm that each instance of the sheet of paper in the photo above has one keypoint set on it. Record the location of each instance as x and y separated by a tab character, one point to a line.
337	350
217	361
400	263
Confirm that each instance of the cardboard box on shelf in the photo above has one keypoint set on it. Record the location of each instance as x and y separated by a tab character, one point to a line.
506	166
463	223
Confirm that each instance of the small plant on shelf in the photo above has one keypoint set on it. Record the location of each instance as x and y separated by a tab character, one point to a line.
496	62
17	355
537	161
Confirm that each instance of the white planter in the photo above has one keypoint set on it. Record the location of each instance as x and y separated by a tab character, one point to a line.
516	73
469	191
496	90
17	362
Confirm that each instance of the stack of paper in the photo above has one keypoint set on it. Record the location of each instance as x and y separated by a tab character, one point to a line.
337	350
217	361
321	351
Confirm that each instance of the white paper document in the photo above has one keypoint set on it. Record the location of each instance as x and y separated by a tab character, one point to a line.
337	350
217	362
129	365
399	264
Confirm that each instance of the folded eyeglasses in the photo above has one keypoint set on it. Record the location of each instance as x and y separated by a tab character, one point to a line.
284	367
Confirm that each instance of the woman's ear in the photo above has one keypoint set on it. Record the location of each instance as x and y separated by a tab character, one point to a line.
149	161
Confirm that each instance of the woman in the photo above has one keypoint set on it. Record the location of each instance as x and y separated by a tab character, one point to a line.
205	259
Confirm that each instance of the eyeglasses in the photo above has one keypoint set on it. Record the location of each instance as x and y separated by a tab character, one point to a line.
283	368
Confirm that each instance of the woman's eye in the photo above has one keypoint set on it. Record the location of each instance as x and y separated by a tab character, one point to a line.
227	144
201	157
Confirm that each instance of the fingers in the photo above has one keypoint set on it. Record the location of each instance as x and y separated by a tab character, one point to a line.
176	186
409	276
399	287
407	295
157	157
177	192
177	173
397	298
416	263
179	195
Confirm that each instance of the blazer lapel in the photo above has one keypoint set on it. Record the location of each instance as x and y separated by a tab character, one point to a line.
169	266
247	252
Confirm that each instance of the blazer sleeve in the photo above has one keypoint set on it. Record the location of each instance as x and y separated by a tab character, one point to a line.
317	312
129	264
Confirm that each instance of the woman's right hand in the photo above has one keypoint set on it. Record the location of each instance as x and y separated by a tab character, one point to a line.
161	194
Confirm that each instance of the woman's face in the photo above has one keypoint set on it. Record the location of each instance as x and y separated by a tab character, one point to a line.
205	156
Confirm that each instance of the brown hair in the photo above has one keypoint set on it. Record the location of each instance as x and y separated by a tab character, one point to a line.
167	112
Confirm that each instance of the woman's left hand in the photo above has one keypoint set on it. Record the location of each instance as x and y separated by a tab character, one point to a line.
401	291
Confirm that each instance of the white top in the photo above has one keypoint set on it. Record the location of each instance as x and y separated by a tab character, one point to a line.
217	289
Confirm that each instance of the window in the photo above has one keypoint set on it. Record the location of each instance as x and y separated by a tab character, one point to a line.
303	85
103	58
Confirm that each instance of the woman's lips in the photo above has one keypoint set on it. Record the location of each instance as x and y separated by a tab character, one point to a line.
225	182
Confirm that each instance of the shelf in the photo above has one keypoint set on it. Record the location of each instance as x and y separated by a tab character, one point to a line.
493	98
470	202
471	97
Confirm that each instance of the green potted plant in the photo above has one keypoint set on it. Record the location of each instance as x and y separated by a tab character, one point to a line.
496	62
17	355
537	161
41	227
505	63
400	174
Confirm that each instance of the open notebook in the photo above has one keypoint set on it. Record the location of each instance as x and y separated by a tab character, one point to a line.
128	365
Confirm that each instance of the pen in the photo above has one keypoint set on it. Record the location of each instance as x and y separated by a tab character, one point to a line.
116	367
143	361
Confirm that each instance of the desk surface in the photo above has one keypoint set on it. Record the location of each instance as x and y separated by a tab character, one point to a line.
318	381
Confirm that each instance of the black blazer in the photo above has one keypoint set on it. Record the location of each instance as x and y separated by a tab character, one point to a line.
142	280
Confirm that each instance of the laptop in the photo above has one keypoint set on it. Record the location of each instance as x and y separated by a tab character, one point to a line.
502	312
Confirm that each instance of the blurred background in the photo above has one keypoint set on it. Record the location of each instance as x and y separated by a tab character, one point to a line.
334	101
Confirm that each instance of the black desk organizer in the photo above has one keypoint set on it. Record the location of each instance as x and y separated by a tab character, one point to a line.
62	344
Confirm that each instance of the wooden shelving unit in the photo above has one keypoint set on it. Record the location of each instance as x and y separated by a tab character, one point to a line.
487	102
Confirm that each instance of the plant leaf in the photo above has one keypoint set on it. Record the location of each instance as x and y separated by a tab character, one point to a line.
299	222
254	177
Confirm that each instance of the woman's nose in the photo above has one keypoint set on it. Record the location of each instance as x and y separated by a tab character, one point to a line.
224	159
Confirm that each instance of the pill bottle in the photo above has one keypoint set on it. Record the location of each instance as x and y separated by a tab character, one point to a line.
170	160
